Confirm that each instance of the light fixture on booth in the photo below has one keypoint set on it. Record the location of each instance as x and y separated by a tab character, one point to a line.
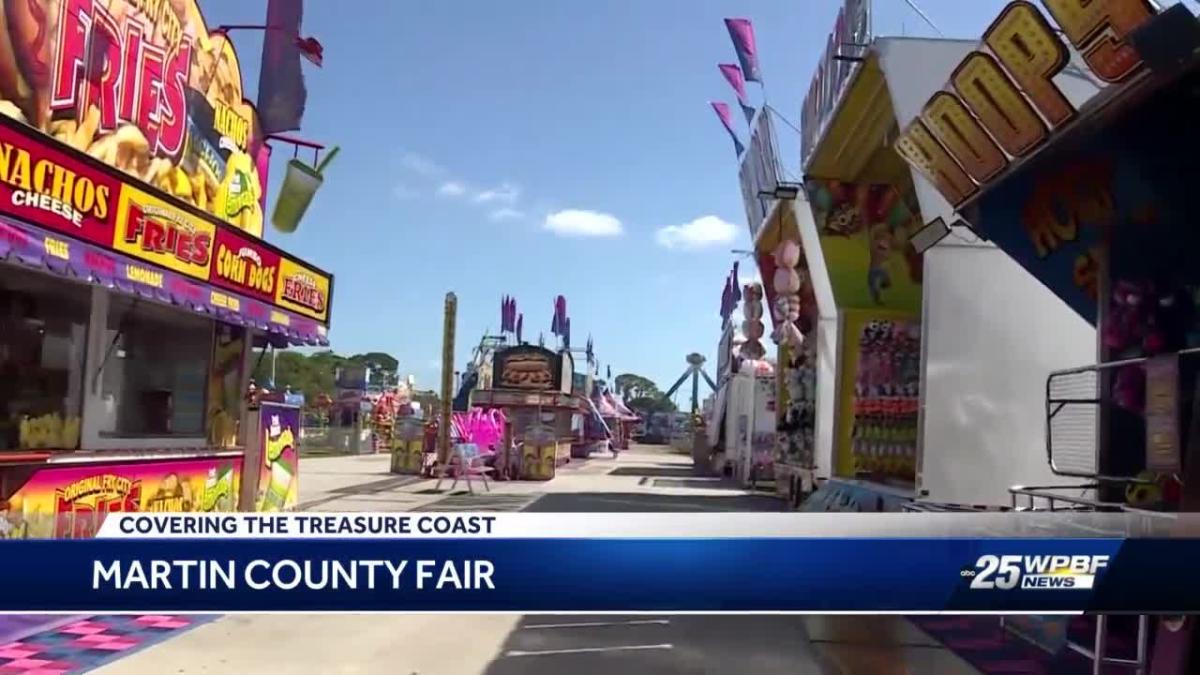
782	191
936	230
927	237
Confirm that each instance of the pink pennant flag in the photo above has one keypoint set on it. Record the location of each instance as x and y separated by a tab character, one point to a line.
722	110
742	34
733	75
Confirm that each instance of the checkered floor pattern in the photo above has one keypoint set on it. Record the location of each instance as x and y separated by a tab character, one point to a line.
80	646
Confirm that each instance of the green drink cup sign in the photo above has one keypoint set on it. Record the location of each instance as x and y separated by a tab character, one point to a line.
300	184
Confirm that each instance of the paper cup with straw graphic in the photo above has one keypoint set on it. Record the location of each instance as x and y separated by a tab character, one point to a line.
300	184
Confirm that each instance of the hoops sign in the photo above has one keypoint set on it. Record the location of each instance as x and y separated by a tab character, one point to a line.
1002	103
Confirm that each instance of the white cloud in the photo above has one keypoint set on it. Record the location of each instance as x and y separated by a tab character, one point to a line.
700	233
421	165
505	194
583	223
506	213
452	188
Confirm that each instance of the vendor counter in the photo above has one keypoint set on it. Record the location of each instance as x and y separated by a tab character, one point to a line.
49	494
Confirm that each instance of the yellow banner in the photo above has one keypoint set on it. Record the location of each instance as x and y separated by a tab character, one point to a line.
150	229
302	290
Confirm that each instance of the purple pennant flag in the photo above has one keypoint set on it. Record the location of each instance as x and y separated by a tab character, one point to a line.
737	285
520	324
733	75
726	300
722	110
281	92
742	34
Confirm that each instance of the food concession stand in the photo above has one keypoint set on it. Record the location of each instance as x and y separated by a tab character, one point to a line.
134	281
533	386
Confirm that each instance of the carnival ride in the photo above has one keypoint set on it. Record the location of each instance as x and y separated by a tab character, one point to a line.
478	372
695	370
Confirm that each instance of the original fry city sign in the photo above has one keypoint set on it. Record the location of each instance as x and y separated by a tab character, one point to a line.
1001	102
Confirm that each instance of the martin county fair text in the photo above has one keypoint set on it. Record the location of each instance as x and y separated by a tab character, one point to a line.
259	575
142	575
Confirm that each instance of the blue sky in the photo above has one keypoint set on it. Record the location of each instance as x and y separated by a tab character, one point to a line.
466	126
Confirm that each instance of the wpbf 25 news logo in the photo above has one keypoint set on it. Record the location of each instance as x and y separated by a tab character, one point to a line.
1036	572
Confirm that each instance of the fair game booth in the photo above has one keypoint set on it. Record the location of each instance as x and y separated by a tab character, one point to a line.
887	399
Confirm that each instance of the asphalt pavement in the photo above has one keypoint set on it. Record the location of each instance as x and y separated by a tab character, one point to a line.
605	644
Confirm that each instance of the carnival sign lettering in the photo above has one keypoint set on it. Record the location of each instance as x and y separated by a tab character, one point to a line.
48	188
142	86
853	29
113	65
157	232
245	267
302	290
242	265
81	505
1001	102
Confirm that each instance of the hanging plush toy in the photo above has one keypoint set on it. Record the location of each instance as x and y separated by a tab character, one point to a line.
752	327
787	290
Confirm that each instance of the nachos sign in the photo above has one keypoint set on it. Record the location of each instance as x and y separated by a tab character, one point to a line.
142	86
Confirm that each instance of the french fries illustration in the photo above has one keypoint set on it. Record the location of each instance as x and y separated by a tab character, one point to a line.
27	54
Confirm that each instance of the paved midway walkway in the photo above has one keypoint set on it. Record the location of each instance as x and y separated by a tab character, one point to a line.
648	478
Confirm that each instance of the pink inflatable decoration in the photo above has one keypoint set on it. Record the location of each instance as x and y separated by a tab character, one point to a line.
484	428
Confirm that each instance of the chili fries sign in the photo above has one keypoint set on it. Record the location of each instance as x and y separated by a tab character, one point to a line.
142	86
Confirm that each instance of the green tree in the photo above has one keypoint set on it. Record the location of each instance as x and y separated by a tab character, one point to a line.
646	405
630	386
313	374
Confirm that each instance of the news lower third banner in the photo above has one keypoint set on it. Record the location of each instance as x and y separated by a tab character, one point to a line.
448	562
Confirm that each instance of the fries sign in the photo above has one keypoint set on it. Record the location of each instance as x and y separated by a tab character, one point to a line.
142	86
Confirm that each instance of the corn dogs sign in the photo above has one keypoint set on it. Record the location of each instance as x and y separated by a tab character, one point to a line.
1001	102
142	86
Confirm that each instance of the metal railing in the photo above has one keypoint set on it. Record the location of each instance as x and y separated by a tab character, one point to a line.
1073	403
